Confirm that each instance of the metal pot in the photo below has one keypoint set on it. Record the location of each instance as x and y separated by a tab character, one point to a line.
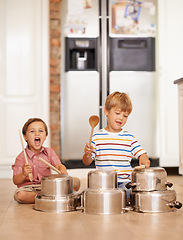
149	179
156	201
103	201
58	204
102	180
56	185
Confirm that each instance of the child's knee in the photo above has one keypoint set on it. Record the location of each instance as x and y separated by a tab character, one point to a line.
21	195
26	196
76	183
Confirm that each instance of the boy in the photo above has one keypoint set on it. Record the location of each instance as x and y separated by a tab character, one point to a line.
113	147
35	132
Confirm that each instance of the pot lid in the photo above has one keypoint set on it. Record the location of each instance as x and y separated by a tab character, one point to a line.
56	176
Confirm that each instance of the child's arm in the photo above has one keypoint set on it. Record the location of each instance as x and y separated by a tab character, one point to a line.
87	159
144	160
61	168
20	178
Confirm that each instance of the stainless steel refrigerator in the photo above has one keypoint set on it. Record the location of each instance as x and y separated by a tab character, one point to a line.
104	58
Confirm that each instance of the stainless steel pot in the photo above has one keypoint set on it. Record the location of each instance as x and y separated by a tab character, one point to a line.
156	201
57	204
103	180
103	201
149	179
57	194
56	185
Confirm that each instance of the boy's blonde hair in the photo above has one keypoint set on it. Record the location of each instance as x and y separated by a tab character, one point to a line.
31	120
120	100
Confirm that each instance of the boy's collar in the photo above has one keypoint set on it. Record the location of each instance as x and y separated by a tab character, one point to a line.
31	154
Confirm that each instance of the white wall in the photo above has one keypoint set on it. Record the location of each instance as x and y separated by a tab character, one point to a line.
170	52
24	72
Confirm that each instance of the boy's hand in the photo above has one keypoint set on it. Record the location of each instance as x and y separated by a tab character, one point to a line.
27	170
87	158
88	149
144	160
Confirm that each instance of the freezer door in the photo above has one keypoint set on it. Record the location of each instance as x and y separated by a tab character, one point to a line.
79	100
142	121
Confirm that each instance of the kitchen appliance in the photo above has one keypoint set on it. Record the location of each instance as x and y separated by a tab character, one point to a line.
57	194
81	54
148	179
107	58
156	201
102	195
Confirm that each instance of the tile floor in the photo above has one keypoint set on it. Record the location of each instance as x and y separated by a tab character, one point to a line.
21	221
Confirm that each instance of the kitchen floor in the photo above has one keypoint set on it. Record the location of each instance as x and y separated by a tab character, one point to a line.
21	221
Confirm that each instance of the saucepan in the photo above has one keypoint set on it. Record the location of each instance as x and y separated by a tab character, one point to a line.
102	179
102	195
56	185
57	204
156	201
103	201
57	194
149	179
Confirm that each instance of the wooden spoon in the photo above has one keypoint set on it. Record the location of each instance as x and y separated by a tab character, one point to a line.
30	174
93	121
140	167
49	165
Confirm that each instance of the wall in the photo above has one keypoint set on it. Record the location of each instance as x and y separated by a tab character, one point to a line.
55	63
169	56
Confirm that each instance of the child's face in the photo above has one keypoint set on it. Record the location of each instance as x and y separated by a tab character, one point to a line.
35	136
116	119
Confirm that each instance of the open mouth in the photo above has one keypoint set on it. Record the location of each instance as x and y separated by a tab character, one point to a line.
37	141
118	122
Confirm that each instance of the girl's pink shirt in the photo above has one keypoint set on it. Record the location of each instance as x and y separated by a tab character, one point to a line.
39	169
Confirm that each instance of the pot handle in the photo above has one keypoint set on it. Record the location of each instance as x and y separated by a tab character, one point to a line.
175	204
130	185
78	201
169	184
126	209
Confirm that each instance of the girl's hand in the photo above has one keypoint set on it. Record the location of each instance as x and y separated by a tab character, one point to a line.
62	169
27	169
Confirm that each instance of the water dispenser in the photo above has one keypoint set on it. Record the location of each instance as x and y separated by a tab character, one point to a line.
81	54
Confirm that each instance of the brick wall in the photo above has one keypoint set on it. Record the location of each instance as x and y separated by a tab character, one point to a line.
55	59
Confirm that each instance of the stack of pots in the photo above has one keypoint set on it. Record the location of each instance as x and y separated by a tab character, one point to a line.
56	194
102	195
149	191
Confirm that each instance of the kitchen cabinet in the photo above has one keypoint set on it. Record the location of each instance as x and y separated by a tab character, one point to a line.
169	68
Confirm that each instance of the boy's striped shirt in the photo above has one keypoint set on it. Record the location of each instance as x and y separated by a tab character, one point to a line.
114	151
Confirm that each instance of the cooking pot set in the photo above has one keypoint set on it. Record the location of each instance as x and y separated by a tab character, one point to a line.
149	191
57	194
102	196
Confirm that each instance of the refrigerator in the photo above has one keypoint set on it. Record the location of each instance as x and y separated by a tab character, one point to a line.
108	46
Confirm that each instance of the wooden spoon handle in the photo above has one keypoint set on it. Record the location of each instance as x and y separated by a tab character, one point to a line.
30	174
140	167
91	136
49	165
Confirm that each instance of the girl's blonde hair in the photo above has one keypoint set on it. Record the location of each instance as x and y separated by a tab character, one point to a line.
120	100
